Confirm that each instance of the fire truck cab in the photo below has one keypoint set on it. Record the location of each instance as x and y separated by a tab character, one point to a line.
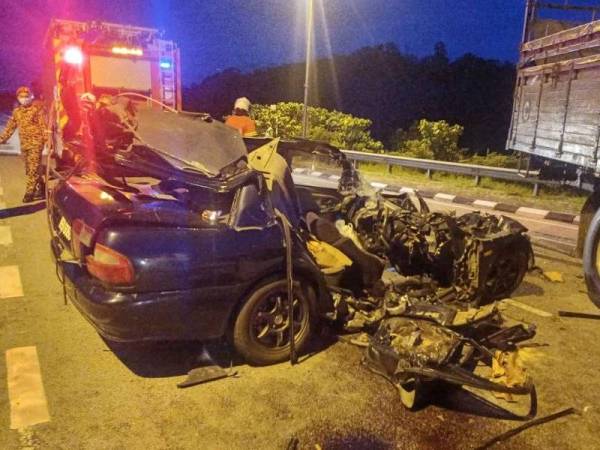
106	59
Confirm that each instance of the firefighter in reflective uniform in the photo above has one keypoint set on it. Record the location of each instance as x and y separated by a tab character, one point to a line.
240	119
30	118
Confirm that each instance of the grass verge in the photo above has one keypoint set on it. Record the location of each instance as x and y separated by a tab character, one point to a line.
560	199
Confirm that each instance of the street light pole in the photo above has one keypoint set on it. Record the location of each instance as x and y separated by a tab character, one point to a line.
309	37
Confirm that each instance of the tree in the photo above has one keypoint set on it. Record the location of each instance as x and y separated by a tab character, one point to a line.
434	140
383	85
337	128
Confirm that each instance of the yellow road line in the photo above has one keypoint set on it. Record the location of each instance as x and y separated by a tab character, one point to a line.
10	282
5	235
28	404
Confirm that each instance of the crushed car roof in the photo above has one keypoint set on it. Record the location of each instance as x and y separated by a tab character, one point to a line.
190	142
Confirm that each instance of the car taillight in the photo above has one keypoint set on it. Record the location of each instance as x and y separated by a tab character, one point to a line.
110	266
80	234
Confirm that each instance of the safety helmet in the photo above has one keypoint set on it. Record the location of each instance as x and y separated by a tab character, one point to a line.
23	90
242	103
88	97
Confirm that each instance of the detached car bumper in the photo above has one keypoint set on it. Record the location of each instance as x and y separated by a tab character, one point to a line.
192	314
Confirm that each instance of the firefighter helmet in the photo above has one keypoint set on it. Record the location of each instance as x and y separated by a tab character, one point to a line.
23	90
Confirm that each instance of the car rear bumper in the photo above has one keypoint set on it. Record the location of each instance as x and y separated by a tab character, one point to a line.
201	313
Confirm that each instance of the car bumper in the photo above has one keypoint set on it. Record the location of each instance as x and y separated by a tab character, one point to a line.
194	314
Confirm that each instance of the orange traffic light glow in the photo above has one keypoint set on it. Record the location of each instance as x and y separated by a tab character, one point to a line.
128	51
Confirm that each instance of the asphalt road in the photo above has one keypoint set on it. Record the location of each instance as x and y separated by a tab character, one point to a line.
69	389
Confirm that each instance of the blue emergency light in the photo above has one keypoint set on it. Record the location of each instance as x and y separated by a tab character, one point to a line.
165	64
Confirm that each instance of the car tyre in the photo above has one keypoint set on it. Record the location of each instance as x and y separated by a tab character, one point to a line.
508	271
591	259
261	330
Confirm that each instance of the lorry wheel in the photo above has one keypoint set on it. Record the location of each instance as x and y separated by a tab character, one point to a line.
261	333
591	259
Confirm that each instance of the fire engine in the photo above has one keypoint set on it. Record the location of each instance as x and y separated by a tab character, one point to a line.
106	59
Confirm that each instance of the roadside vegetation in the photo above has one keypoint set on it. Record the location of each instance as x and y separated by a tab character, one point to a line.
437	140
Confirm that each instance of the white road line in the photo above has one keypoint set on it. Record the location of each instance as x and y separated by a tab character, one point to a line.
28	404
501	213
532	212
5	235
378	185
485	204
441	196
10	282
527	308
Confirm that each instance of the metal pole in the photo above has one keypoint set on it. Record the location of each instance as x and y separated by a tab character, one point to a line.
529	9
309	36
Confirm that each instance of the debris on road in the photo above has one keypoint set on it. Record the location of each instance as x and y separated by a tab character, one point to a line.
554	277
542	420
579	315
205	374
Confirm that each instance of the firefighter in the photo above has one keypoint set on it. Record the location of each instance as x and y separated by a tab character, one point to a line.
240	119
30	118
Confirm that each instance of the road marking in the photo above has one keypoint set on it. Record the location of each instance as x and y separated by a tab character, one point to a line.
334	177
500	213
532	212
28	404
5	235
527	308
10	282
485	204
447	197
377	185
316	174
299	170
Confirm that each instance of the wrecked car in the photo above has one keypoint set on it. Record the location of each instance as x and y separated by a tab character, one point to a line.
180	229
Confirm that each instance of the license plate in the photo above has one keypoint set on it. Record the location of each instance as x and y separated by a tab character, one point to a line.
64	228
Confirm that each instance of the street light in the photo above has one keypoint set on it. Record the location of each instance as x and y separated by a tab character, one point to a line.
309	36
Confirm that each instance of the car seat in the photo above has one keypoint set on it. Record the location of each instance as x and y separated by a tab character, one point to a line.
366	269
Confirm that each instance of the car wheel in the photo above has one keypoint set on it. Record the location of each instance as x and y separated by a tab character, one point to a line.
507	272
591	259
261	333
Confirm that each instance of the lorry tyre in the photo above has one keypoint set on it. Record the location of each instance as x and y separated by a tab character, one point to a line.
591	259
261	332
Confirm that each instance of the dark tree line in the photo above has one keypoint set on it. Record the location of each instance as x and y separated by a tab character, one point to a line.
380	83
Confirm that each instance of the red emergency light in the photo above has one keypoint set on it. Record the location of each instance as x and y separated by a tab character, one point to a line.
73	55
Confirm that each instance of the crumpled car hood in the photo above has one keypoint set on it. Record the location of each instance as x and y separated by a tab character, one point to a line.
189	142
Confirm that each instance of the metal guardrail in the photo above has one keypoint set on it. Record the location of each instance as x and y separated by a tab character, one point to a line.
430	166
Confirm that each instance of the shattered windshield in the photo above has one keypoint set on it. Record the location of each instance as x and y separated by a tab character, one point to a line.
190	142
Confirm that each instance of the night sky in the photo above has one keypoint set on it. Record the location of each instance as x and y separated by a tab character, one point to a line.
219	34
